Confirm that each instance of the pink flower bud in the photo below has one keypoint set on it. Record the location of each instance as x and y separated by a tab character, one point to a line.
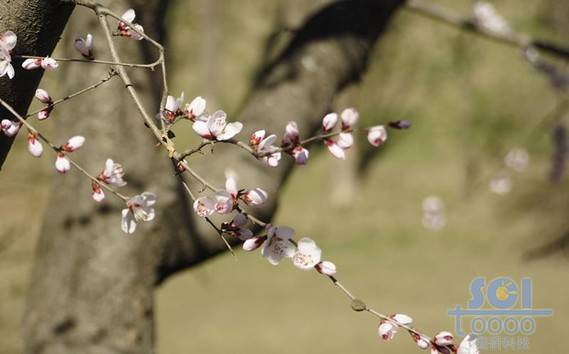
31	64
34	146
62	164
386	330
10	128
43	96
44	114
443	338
402	319
329	121
400	124
421	341
48	63
253	243
300	155
291	135
85	46
256	196
377	135
98	194
73	144
326	268
349	117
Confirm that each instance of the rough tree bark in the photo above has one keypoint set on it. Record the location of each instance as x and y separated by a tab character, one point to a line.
91	290
38	25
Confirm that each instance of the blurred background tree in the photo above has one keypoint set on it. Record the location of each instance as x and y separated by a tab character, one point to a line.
471	101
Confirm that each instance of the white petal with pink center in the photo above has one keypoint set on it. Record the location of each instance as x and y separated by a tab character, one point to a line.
31	64
139	209
48	63
307	254
223	202
291	135
204	206
113	174
278	245
253	243
74	143
257	137
98	194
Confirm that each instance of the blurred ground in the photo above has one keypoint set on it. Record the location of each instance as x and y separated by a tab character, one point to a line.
470	100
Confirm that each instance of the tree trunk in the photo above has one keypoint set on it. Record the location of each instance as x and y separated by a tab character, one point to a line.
92	287
38	25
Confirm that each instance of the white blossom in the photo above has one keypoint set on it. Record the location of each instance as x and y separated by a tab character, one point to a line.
307	254
85	46
139	208
349	117
215	127
277	245
125	30
377	135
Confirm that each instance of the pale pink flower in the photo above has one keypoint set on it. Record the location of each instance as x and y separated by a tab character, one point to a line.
335	149
62	164
43	96
349	118
329	121
291	136
300	155
98	194
277	245
34	146
8	41
73	144
113	174
125	30
235	228
195	108
44	113
388	328
269	152
224	202
139	208
85	46
256	137
10	128
307	254
377	135
326	268
204	206
215	127
6	67
468	345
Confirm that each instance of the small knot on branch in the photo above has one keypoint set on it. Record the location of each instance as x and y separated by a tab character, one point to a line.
358	305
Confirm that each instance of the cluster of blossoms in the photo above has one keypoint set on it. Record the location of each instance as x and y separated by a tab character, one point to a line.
276	242
225	201
516	160
486	16
442	342
434	213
